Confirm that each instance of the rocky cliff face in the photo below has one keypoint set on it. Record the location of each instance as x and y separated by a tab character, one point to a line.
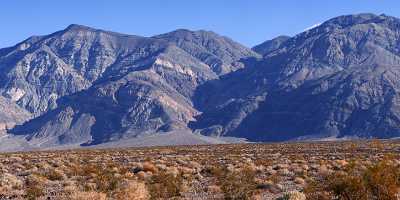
339	79
92	86
220	53
87	86
11	115
270	45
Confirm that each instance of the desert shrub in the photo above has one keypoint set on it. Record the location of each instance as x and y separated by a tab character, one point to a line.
377	144
213	171
376	181
132	190
239	184
275	178
103	178
348	186
149	167
293	195
53	175
106	181
9	180
383	180
165	185
91	195
34	187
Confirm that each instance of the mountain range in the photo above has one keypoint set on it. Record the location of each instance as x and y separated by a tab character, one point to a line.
87	87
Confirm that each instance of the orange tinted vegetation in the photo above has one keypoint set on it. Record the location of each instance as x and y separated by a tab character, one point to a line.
320	170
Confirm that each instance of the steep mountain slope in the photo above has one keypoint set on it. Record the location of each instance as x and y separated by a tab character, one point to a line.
351	103
270	45
220	53
11	114
38	71
338	79
131	86
84	86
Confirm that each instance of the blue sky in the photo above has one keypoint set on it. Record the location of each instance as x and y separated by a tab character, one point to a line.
247	21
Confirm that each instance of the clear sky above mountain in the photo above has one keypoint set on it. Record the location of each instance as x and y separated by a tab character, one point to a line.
249	22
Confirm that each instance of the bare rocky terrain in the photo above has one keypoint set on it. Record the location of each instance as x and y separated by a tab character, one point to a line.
83	86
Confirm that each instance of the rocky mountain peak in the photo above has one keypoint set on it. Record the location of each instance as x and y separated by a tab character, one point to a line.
219	52
78	27
148	83
351	20
337	44
270	45
88	86
340	70
186	34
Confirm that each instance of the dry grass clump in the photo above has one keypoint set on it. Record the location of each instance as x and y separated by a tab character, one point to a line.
106	181
10	186
357	182
149	167
100	178
90	195
165	185
132	190
9	180
53	175
237	184
34	186
293	195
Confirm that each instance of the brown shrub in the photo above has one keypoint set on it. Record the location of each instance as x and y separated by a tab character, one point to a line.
237	184
132	190
34	187
149	167
383	180
106	181
104	177
165	185
293	195
9	180
54	175
91	195
377	181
